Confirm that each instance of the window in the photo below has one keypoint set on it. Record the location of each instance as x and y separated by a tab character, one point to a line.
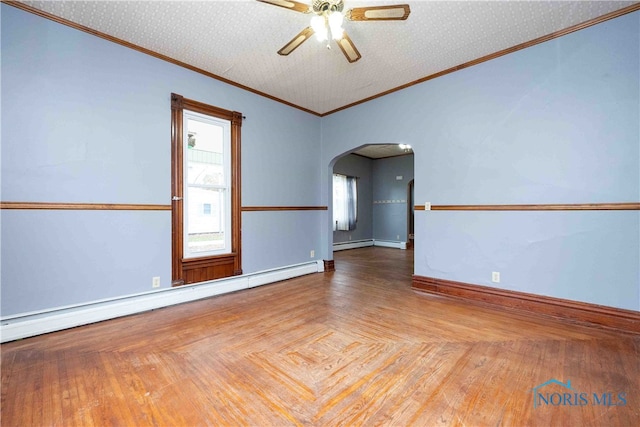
345	202
207	185
206	191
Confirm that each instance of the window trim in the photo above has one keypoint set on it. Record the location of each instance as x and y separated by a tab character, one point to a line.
200	269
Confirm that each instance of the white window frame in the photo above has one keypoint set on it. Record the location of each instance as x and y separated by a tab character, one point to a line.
226	188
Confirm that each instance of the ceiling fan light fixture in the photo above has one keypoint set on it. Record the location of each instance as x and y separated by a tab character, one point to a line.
319	27
335	25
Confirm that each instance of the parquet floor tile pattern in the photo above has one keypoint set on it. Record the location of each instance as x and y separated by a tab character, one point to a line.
353	347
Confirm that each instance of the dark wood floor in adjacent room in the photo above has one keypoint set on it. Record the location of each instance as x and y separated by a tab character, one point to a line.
352	347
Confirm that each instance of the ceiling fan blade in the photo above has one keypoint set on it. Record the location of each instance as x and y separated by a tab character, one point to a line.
348	48
291	5
296	41
398	12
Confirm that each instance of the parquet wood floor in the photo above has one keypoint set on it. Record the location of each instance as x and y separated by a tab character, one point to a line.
352	347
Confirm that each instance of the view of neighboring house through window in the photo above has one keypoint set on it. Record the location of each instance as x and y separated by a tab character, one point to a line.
206	185
345	202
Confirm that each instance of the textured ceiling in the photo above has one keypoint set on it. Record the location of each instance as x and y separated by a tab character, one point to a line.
238	40
381	151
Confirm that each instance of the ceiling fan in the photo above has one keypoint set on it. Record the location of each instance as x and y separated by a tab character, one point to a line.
327	19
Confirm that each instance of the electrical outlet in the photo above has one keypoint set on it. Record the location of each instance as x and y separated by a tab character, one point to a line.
397	237
312	253
155	282
495	277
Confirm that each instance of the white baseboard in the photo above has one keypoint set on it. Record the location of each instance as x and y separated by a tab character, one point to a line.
272	276
352	245
29	325
370	242
390	244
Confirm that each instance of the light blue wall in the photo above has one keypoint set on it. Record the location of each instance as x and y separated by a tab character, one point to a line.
280	151
558	122
390	197
360	167
86	120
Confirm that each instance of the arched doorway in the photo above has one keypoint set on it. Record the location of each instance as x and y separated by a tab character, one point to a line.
385	179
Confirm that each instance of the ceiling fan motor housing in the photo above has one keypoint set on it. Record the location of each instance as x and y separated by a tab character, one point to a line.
322	6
